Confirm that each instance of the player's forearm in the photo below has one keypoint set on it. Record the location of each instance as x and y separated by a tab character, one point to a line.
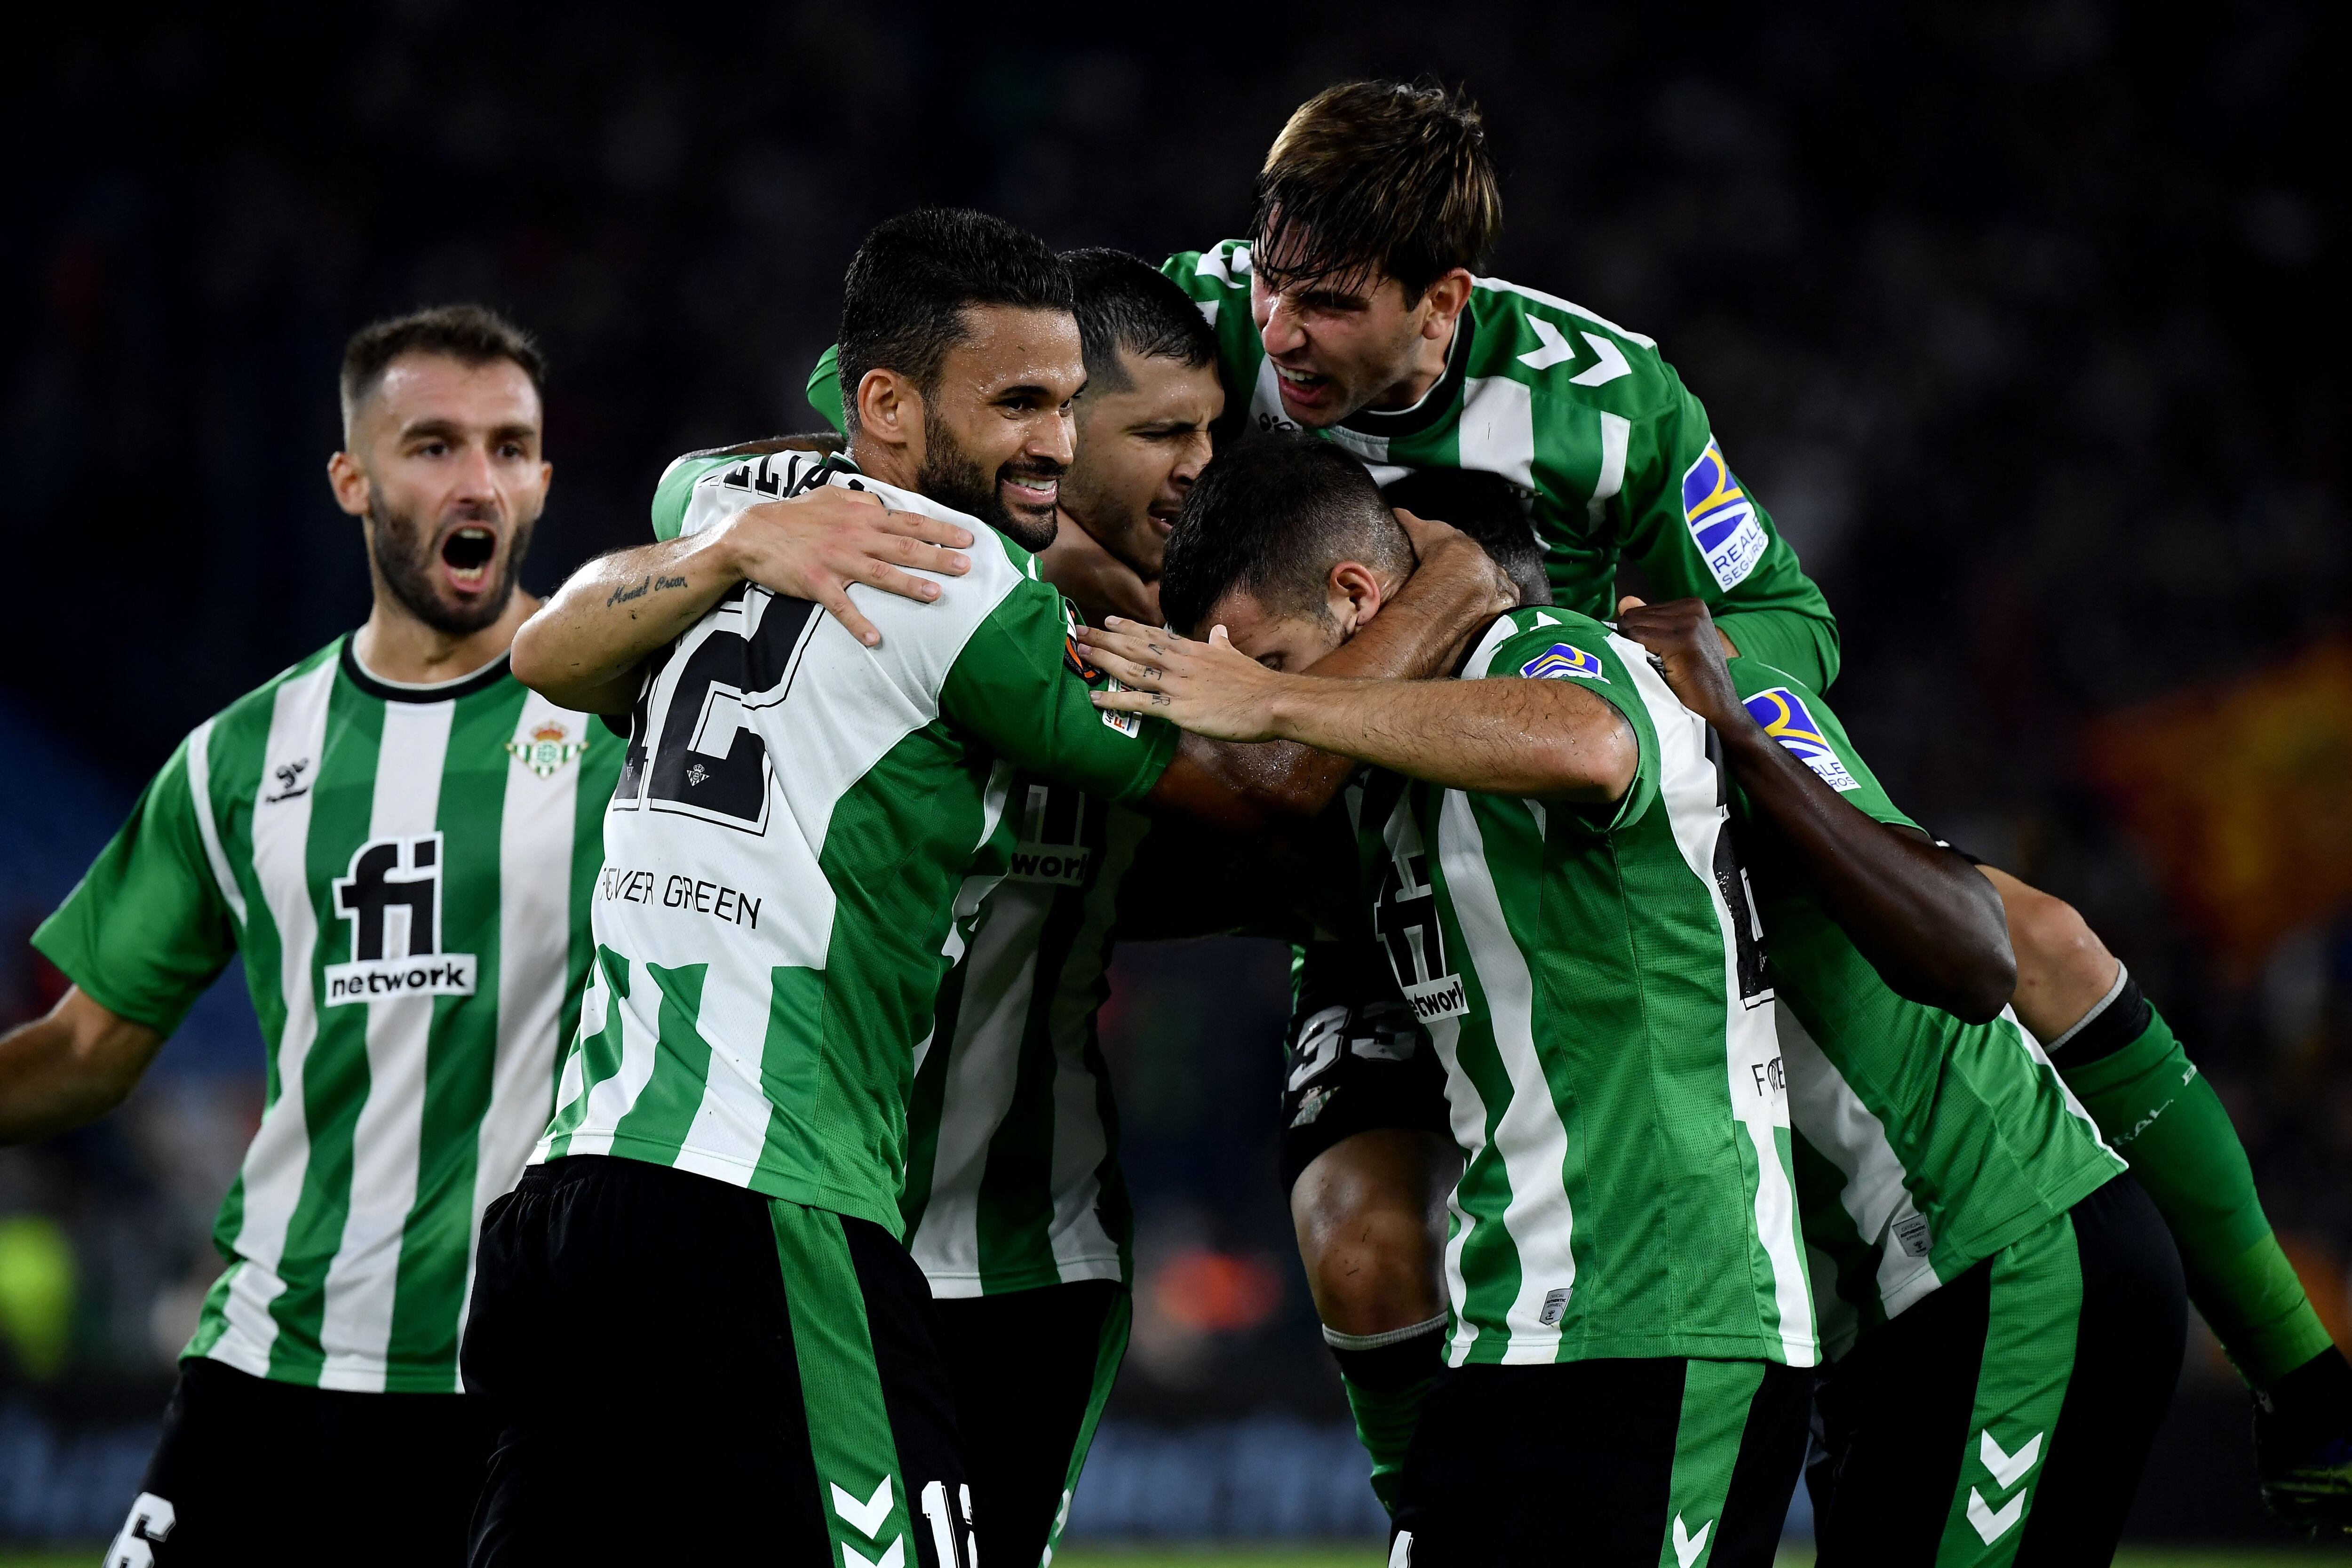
1922	916
1538	739
582	648
69	1068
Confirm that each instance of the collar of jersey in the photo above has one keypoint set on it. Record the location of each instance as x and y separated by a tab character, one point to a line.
382	690
1436	405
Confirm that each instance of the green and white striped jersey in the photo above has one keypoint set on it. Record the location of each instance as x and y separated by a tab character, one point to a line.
1924	1144
407	870
1591	425
798	849
1592	980
1013	1174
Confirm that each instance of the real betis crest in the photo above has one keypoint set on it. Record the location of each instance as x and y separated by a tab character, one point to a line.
548	749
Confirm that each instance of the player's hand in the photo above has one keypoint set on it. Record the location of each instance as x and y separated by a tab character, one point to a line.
1210	688
1684	636
813	546
1442	548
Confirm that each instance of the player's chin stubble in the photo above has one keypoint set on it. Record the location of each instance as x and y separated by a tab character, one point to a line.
403	554
951	476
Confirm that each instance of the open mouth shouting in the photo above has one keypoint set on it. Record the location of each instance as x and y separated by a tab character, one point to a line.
1302	388
467	552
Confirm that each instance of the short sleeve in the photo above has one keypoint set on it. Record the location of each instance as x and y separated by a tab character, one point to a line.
1798	718
1698	533
1021	684
1557	646
147	929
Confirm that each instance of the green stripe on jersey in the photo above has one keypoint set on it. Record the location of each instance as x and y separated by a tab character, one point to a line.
1612	1071
1012	1178
1928	1143
814	825
1594	429
403	869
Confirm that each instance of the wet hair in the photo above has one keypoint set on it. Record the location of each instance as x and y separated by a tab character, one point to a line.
903	302
1488	508
1270	519
1123	303
470	334
1373	179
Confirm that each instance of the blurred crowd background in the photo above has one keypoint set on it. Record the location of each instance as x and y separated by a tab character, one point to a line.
2027	322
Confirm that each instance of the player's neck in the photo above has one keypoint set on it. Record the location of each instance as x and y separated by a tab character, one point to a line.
889	465
396	646
1428	368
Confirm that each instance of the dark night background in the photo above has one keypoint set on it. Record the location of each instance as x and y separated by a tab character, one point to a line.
2027	322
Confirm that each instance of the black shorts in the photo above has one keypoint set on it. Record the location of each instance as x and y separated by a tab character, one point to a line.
2005	1417
1605	1464
1355	1059
1031	1369
684	1371
253	1471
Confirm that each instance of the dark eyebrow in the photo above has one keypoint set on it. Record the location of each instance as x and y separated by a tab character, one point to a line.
449	430
1329	299
1037	390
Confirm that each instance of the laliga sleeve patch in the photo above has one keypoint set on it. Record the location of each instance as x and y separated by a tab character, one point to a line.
1785	719
1722	519
1559	661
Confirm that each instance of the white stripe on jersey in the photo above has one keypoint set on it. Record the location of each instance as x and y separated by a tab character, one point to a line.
1530	1136
1497	431
355	1328
1834	1121
1689	792
200	792
614	1097
280	1154
1557	304
1616	434
536	821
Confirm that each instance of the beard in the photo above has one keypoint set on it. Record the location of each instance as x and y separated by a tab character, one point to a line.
951	476
405	558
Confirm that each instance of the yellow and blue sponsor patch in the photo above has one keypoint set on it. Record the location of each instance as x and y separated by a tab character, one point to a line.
1560	660
1787	720
1722	519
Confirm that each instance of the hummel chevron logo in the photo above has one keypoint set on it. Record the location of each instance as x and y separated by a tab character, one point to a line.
2007	1467
1608	368
1556	349
1687	1547
869	1516
1993	1524
894	1558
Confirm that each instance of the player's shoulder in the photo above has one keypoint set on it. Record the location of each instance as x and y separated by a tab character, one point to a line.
699	489
243	725
1223	269
1542	642
1560	350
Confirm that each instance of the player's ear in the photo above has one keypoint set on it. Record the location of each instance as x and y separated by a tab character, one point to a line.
350	483
1445	302
889	408
1356	594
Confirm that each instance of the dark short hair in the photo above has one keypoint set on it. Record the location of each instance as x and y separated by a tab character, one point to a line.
470	334
1488	508
1126	304
1270	519
903	304
1377	178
